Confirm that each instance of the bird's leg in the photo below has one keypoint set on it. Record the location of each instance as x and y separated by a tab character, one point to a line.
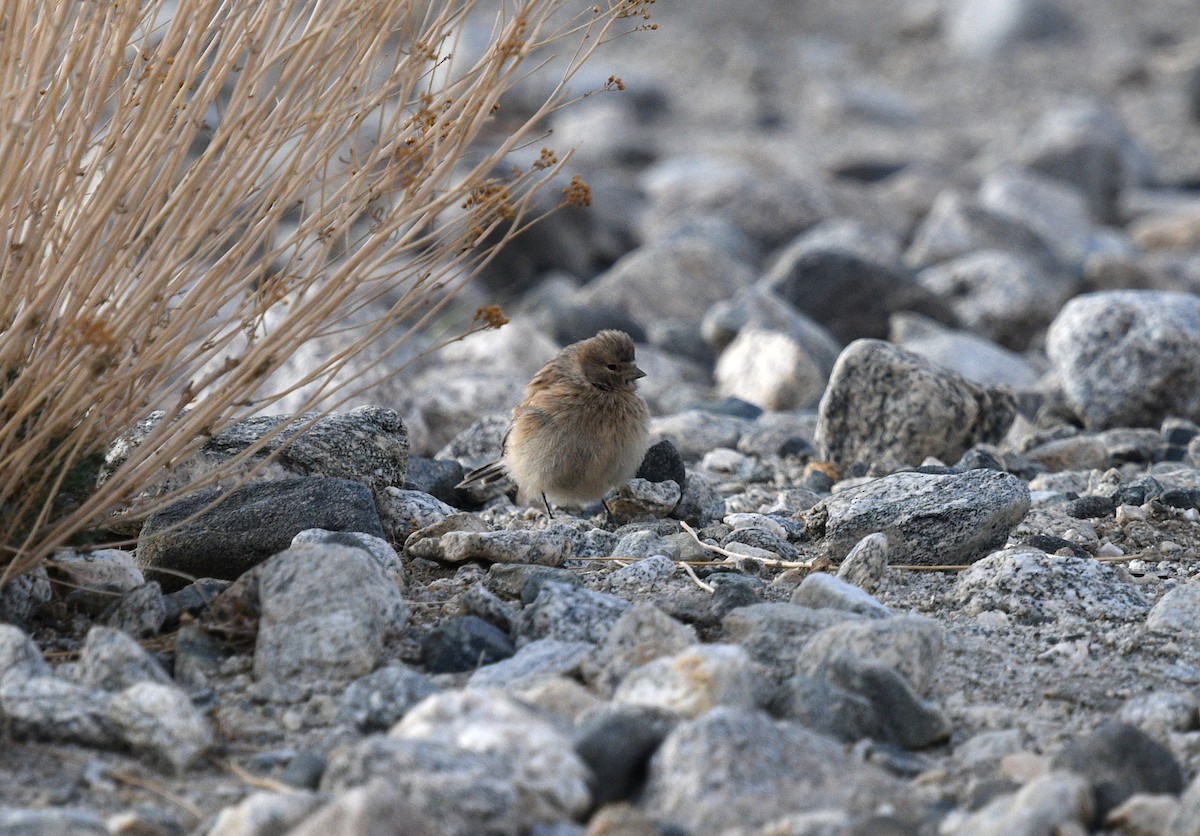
549	513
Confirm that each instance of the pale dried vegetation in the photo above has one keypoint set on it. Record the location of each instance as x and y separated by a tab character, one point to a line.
190	190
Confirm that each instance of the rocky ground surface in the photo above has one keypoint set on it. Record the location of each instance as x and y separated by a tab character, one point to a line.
916	551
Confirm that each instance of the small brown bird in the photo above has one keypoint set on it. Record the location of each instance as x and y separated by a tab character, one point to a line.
581	429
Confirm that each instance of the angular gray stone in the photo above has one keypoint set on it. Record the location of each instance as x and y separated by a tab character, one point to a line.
20	658
975	358
642	633
739	768
900	716
701	502
696	431
159	722
759	307
250	524
1055	210
1047	804
377	547
537	547
110	660
1125	358
822	591
886	408
537	660
644	576
694	681
48	708
930	519
1032	586
775	634
1177	612
569	614
909	644
849	294
325	611
403	511
957	225
23	596
141	612
541	760
95	579
643	544
866	563
770	369
378	700
639	499
1119	760
1003	296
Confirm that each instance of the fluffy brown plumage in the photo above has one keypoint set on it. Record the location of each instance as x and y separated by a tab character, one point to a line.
581	429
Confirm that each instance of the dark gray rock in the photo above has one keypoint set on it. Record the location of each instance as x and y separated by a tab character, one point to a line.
375	702
1120	760
251	523
1124	357
929	519
662	463
464	644
24	595
192	600
436	477
900	715
616	744
738	768
141	612
827	709
909	644
957	225
569	614
325	611
850	295
886	407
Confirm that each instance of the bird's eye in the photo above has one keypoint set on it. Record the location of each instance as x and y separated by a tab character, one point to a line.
612	367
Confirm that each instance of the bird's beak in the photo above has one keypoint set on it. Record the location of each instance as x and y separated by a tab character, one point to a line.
635	373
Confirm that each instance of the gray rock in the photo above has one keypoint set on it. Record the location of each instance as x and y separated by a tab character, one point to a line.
957	226
677	277
1055	210
900	716
616	743
464	644
1177	612
909	644
1161	713
929	519
569	614
738	768
866	563
886	407
15	821
159	722
695	432
461	792
1124	357
694	681
982	28
1033	587
1003	296
24	595
640	499
110	660
775	634
141	612
497	546
375	702
20	658
324	613
250	524
403	511
770	369
701	502
542	764
1119	760
1087	145
644	576
850	295
762	308
47	708
95	578
481	601
1186	820
536	661
821	591
263	812
198	657
380	549
825	708
1049	803
768	205
639	545
642	633
971	356
479	443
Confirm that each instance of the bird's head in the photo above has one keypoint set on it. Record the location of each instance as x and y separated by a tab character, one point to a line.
607	361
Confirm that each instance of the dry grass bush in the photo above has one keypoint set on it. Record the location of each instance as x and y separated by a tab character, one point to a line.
172	171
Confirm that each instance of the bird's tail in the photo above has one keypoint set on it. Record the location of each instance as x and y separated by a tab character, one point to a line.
487	474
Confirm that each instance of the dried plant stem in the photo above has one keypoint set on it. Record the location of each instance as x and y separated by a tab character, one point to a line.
191	191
